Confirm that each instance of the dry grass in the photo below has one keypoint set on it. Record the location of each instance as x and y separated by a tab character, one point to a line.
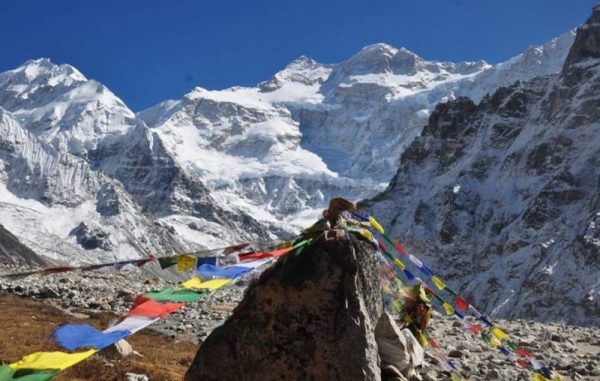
27	324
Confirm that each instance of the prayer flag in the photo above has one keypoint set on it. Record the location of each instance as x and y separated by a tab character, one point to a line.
538	377
524	353
448	308
433	343
254	264
197	283
7	374
522	363
438	282
210	271
51	360
366	234
500	335
426	270
398	246
185	262
170	295
208	260
167	262
132	324
456	377
399	263
408	274
475	329
376	225
77	336
461	304
415	260
151	308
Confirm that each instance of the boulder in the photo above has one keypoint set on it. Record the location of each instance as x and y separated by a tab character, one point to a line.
311	316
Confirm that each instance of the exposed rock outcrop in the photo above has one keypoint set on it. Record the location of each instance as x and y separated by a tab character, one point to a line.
311	316
13	252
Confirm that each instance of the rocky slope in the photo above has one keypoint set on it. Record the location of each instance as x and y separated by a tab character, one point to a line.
502	196
13	252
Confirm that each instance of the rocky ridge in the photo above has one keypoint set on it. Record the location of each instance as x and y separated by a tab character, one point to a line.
502	196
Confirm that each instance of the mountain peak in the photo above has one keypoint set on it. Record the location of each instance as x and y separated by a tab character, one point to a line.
303	70
587	40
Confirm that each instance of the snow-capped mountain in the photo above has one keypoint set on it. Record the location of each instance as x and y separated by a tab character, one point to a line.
314	131
84	178
503	196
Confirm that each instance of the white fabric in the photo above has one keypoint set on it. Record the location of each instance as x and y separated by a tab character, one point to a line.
254	264
397	347
132	324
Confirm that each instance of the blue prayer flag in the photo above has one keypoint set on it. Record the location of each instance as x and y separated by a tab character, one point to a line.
76	336
208	271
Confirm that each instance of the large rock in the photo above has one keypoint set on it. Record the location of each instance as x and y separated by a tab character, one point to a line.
308	317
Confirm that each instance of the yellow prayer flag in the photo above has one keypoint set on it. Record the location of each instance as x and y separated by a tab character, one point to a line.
51	360
456	377
399	263
366	234
185	262
499	334
449	309
495	343
538	377
199	284
375	224
438	283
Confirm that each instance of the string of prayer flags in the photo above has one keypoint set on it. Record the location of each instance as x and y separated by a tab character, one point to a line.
78	336
170	295
51	360
152	308
185	262
200	284
8	374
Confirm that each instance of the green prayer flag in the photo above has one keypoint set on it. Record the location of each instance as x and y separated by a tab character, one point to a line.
8	374
167	262
170	295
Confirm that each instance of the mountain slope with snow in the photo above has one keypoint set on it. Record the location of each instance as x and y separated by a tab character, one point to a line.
503	196
282	149
216	166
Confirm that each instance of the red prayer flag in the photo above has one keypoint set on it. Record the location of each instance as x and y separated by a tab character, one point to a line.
522	363
152	308
475	329
461	304
381	245
264	254
524	353
401	249
433	343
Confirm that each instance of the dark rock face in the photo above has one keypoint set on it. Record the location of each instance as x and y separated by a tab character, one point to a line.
13	252
502	197
308	317
91	238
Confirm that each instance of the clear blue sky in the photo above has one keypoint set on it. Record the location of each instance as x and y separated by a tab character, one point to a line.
149	50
